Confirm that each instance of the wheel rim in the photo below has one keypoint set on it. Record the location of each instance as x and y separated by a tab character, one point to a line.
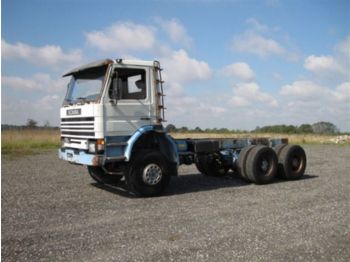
296	163
152	174
264	165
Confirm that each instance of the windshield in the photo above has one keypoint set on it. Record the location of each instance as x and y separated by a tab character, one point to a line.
86	86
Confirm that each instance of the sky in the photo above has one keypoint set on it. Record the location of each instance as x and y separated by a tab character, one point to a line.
227	64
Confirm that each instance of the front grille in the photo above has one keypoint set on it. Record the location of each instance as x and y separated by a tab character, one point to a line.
78	127
77	119
78	133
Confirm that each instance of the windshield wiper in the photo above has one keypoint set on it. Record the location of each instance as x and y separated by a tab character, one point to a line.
83	99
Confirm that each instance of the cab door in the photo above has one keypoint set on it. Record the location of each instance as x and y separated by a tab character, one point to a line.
127	100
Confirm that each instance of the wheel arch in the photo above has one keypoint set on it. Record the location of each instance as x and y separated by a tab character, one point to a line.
152	137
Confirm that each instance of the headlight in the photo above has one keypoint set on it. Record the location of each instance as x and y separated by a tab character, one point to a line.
64	141
92	146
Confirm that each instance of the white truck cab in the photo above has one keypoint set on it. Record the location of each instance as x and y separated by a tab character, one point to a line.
109	99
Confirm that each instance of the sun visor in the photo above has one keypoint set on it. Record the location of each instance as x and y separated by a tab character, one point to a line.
89	66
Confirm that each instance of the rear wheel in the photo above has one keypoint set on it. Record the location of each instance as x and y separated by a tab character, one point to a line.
148	173
200	164
241	164
102	177
291	162
279	148
261	165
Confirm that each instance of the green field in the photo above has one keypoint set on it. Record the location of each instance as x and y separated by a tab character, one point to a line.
28	141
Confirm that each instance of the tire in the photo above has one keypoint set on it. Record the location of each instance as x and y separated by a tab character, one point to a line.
210	168
292	162
261	165
200	165
241	164
279	148
148	173
100	177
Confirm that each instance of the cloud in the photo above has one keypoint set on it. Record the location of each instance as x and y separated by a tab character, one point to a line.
315	102
344	47
239	71
260	39
304	89
239	101
40	98
247	93
48	55
335	66
123	37
342	92
327	92
183	109
255	25
38	82
42	109
323	65
180	68
48	102
176	31
16	82
253	43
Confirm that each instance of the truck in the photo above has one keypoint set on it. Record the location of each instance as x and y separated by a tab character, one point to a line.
112	122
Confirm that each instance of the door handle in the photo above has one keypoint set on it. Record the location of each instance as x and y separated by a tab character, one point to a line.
145	118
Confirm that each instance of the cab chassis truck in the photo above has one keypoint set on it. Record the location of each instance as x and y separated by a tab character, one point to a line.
111	122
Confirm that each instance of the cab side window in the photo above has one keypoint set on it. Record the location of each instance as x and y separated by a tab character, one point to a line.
128	83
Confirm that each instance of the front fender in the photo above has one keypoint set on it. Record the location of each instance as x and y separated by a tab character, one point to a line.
167	145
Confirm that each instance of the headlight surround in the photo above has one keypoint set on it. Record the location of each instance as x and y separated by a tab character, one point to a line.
96	146
100	145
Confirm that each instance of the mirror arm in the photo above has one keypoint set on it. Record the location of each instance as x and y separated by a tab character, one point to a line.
113	102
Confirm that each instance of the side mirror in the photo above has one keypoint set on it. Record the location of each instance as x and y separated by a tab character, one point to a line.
113	102
113	95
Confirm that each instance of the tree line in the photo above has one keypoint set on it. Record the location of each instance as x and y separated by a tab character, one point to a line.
173	129
30	124
316	128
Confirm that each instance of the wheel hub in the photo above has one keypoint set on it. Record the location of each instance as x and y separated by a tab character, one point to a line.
295	163
264	165
152	174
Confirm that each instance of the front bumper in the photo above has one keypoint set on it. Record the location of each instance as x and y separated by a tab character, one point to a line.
79	157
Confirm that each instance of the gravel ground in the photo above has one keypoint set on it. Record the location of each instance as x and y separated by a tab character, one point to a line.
52	211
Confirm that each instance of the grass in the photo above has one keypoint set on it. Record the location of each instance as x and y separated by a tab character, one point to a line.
292	138
16	143
28	141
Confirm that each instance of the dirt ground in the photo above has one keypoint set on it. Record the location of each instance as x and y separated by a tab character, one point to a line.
53	211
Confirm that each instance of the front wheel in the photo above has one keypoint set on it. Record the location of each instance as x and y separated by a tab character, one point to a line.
148	173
